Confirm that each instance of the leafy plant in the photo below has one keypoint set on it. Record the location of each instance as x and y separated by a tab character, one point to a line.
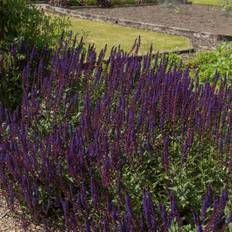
227	6
24	22
25	27
208	63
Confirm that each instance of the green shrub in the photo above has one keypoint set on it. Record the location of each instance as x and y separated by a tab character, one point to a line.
90	2
24	22
227	6
24	27
75	3
208	63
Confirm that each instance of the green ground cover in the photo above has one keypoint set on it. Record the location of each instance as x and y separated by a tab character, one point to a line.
104	33
208	2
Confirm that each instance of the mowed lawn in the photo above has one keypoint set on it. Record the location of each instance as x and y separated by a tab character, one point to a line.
105	33
208	2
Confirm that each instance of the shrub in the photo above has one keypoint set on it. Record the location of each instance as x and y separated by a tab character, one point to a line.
75	3
25	27
227	6
123	145
208	63
23	22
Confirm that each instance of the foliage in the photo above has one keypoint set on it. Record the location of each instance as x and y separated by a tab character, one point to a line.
75	3
207	2
23	22
11	67
208	63
227	6
224	4
129	144
24	27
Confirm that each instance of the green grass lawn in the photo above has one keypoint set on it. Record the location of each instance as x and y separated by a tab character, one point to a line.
113	35
207	2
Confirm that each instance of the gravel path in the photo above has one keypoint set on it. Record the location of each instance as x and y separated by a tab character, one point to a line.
9	222
193	17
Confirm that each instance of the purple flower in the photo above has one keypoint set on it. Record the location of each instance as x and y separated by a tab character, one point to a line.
94	193
149	211
166	154
164	217
206	202
197	222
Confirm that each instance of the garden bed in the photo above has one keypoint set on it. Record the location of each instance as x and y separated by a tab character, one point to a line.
181	21
193	17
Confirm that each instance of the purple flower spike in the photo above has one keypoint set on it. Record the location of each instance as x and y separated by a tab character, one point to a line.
166	154
197	222
206	202
164	217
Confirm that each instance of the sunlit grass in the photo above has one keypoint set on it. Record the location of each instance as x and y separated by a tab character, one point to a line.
104	33
207	2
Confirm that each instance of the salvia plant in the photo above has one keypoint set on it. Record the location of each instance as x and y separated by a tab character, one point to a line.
124	143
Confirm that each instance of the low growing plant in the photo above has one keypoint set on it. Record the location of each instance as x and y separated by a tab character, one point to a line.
208	63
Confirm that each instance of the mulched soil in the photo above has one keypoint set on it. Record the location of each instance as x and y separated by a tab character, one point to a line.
194	17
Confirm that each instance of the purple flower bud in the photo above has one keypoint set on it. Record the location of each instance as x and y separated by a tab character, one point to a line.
165	156
128	208
149	212
65	207
164	217
206	202
106	227
94	194
197	222
87	227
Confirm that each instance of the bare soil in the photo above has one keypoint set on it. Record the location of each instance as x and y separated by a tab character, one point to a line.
194	17
10	222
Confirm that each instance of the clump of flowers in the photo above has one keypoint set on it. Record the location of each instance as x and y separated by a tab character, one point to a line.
88	131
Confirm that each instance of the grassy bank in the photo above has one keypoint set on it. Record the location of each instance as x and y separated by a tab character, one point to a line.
104	33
